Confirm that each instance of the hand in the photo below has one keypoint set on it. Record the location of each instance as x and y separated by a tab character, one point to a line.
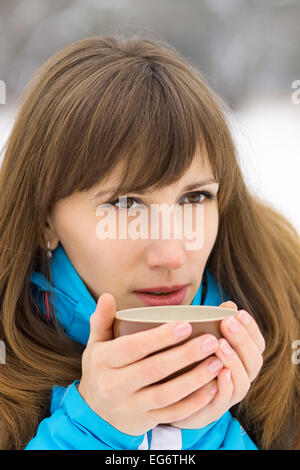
244	363
119	379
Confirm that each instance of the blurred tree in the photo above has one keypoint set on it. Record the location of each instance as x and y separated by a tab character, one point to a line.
242	47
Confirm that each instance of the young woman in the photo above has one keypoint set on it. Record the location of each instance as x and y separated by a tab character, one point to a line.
108	117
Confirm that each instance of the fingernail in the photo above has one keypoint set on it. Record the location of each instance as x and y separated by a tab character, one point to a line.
244	317
182	329
234	305
225	348
228	376
233	325
209	343
215	365
213	389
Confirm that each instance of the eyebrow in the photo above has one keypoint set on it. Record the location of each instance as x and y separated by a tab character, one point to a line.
189	187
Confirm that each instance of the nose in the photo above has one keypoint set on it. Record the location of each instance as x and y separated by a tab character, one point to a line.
166	254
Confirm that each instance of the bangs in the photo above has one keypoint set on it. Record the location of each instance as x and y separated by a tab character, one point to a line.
156	136
147	115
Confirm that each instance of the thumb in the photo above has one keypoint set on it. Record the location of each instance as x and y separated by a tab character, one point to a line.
101	320
229	304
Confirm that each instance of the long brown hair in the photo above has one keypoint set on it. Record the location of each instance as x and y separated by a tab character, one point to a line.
93	104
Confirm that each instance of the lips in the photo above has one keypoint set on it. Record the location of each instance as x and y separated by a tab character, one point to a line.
162	289
174	297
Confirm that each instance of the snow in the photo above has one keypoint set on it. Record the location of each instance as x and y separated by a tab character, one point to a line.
266	133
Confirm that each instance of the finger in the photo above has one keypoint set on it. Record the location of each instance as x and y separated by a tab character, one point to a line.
222	400
128	349
239	376
244	346
214	408
102	319
163	395
203	396
252	329
229	304
186	408
162	365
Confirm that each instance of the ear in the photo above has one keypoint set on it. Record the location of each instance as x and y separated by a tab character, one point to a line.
49	235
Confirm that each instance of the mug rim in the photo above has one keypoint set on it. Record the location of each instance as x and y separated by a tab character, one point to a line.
224	313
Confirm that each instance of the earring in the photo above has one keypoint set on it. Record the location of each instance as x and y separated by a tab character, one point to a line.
49	252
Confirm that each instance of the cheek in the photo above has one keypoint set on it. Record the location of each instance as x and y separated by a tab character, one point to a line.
198	258
211	225
105	266
110	260
213	221
114	253
76	231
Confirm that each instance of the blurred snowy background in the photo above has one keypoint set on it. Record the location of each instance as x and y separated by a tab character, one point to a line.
248	50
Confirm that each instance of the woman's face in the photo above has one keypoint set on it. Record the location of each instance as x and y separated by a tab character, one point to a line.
121	266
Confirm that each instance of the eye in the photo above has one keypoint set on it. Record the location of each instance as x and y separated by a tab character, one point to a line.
122	202
195	195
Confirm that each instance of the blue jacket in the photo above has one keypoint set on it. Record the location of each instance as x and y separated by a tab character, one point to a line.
72	424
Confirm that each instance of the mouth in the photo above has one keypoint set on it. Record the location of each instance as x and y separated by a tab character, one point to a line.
159	297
